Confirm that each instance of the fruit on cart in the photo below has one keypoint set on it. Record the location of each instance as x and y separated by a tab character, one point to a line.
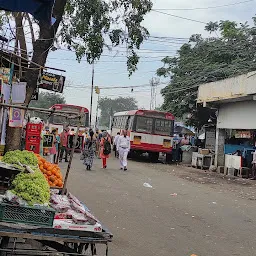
51	172
32	187
17	156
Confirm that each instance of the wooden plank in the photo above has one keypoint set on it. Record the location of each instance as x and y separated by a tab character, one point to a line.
53	238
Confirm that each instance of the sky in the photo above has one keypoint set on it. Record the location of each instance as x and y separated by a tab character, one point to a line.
111	70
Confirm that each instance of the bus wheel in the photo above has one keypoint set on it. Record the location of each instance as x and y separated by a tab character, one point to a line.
168	158
153	156
131	154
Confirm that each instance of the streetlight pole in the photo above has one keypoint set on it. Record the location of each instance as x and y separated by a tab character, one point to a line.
92	88
97	111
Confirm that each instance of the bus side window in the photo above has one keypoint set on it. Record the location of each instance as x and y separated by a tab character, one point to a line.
127	122
130	123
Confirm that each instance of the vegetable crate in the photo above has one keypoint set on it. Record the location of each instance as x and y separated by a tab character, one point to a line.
42	216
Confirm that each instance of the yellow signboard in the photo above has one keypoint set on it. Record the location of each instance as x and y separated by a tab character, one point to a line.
137	140
167	144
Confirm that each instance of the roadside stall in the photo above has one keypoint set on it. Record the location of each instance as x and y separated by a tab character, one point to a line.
38	215
234	101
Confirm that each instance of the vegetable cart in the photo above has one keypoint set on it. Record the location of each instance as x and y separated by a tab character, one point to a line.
28	230
27	239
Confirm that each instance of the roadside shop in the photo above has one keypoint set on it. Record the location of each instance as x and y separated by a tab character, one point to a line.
235	102
36	206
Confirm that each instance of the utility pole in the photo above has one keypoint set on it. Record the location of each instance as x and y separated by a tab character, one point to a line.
154	82
97	109
90	121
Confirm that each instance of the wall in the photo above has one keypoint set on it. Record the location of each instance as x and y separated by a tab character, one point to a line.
230	88
237	115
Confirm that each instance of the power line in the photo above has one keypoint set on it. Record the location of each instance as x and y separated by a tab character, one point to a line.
202	8
180	17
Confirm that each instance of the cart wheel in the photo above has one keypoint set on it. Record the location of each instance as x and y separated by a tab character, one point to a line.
4	245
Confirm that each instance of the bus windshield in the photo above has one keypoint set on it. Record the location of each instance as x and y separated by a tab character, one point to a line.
71	122
163	126
144	124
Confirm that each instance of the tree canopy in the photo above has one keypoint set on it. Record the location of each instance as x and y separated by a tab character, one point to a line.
109	106
87	27
204	60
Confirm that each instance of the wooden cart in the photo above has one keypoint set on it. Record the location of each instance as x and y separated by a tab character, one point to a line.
20	239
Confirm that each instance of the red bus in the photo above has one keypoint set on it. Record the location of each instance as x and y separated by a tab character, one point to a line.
59	120
150	131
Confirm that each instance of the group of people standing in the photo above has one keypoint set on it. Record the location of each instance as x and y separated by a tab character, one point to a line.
102	142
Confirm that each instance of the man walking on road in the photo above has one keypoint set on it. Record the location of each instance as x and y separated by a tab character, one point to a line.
123	147
64	144
115	144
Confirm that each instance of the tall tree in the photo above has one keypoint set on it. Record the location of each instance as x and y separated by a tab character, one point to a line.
109	106
207	60
87	26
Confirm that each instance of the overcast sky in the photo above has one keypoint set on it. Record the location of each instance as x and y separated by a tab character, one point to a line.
111	71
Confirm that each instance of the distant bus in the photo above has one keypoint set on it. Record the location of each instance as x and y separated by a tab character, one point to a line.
60	121
150	131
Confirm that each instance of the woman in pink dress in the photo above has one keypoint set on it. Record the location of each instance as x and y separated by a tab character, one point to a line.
105	148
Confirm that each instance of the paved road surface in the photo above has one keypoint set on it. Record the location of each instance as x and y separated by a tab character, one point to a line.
209	216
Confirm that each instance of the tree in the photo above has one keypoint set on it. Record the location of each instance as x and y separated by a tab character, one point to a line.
85	26
46	100
109	106
206	60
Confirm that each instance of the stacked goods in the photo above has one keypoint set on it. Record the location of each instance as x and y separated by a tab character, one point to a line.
72	215
50	171
31	187
24	157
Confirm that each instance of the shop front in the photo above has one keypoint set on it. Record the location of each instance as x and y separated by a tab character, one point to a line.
235	103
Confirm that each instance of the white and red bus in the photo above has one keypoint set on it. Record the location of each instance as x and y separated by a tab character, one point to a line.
150	131
59	121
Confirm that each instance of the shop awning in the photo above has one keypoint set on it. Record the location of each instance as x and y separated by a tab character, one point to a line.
40	9
183	130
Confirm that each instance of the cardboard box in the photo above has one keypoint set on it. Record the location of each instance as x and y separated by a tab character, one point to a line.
204	151
70	225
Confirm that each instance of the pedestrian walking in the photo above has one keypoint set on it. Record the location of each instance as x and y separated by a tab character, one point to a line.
89	151
57	145
123	147
53	150
64	145
115	143
105	148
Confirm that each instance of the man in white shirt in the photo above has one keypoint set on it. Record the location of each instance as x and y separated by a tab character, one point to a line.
115	143
123	147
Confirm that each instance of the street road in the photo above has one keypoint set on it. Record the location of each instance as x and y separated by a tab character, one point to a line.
186	211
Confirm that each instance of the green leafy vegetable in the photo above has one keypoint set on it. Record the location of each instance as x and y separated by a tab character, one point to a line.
32	187
24	157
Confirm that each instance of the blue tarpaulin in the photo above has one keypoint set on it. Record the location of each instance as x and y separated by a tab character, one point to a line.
40	9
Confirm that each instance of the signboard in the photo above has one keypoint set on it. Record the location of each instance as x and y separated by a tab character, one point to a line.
210	139
243	135
79	143
52	82
16	117
47	141
35	94
5	74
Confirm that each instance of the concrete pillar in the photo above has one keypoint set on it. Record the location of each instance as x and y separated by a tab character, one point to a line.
219	147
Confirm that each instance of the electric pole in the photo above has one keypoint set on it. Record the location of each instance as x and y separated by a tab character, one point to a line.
90	121
154	82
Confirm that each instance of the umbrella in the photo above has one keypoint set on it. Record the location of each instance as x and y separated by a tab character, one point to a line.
183	130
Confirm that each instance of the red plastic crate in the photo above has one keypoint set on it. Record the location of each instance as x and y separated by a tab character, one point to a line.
33	129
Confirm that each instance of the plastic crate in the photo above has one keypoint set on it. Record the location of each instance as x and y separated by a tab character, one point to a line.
42	216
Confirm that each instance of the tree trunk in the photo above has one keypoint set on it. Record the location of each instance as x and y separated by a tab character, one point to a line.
41	49
13	138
